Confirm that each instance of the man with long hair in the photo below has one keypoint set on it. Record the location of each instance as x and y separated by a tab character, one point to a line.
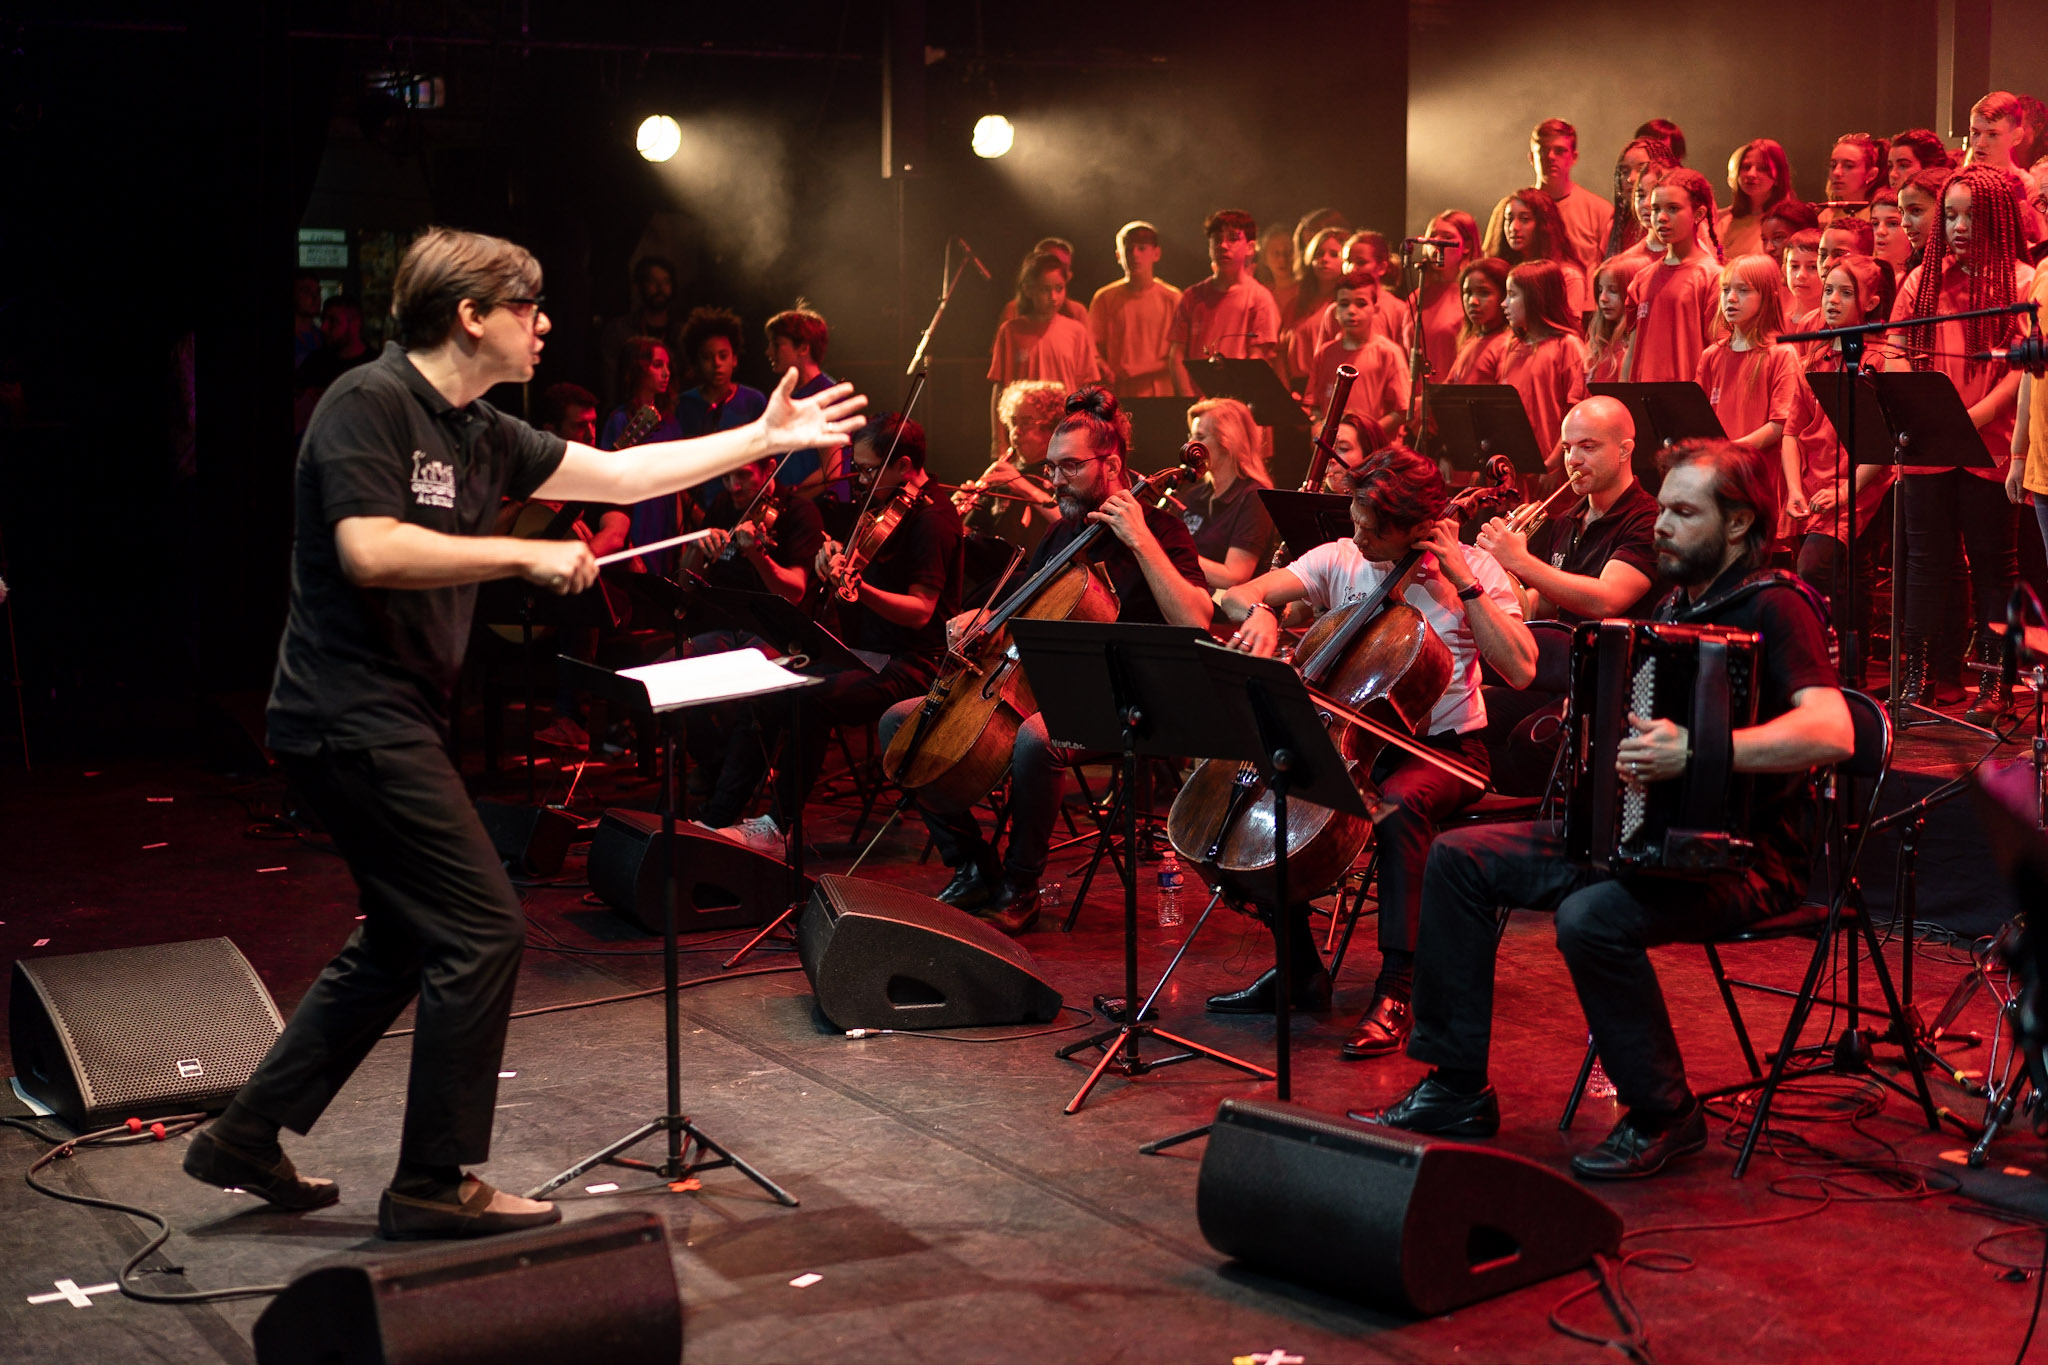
1719	512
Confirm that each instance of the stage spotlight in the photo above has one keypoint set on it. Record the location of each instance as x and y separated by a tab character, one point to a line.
659	137
993	135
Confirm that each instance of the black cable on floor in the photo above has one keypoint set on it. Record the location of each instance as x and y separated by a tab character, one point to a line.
630	995
1086	1019
123	1135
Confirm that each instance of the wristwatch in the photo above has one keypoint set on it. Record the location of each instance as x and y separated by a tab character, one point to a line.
1471	592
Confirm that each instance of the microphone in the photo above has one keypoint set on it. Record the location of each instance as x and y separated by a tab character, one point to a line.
2015	627
2028	353
974	258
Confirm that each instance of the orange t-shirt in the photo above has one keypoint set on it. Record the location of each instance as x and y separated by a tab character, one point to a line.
1821	456
1061	351
1130	328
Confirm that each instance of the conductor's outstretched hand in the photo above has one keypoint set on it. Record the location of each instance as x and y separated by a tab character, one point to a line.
824	419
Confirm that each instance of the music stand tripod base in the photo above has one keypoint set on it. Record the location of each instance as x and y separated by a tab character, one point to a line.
1172	691
632	692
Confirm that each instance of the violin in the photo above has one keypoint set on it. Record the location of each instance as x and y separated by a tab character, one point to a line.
871	530
1376	670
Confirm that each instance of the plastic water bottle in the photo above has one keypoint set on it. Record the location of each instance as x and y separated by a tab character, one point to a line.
1169	890
1597	1085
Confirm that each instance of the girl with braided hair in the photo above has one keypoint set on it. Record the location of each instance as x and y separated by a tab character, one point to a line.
1675	299
1973	260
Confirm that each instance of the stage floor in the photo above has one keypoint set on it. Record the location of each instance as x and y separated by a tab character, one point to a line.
954	1213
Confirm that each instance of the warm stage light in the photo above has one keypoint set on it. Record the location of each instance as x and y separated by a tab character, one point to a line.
993	135
659	137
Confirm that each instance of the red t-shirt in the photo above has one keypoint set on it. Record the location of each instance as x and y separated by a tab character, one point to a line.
1382	386
1478	360
1550	376
1673	306
1061	350
1973	379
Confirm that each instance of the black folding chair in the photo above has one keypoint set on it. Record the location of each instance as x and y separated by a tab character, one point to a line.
1844	911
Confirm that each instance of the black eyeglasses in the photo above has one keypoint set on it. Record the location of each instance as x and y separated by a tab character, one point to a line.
1066	469
537	300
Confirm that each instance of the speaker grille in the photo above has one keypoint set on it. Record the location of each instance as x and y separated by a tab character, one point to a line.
161	1028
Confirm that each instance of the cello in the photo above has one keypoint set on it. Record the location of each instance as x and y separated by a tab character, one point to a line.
1376	669
958	745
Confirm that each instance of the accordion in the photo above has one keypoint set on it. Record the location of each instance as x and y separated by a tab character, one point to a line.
1705	679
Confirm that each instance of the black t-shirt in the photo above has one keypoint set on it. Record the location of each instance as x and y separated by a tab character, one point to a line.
1784	813
1235	521
1625	532
799	531
923	551
1134	595
361	667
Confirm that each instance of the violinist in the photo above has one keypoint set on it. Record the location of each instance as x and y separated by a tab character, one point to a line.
1028	409
1150	561
1593	560
763	538
902	597
1398	504
1719	514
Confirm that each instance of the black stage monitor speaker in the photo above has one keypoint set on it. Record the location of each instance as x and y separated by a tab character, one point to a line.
599	1289
1415	1224
533	840
725	885
882	957
137	1032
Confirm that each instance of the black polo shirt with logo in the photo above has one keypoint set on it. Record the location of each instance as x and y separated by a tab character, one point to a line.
1626	532
364	667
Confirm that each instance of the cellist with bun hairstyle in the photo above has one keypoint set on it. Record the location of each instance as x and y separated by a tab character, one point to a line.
1149	561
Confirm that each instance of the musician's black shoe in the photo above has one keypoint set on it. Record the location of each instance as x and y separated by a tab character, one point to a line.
1013	909
974	883
1311	994
1631	1153
1381	1030
1434	1108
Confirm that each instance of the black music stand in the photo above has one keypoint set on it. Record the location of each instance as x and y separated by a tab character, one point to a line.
803	641
1665	413
1174	692
1475	422
1253	383
633	692
807	648
1922	412
1159	427
1306	520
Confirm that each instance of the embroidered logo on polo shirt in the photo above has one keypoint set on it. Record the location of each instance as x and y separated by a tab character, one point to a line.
433	481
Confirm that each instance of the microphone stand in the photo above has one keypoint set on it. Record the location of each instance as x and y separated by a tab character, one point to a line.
1413	260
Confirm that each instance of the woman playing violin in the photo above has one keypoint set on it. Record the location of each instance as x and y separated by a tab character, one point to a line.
1398	505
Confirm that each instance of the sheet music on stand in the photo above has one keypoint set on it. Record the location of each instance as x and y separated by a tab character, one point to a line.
730	676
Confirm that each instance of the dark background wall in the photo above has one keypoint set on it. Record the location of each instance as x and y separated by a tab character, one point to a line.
158	169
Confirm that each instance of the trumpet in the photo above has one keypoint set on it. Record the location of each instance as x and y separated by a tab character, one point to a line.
1529	518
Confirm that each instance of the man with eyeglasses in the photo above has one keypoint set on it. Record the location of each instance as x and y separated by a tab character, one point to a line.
1150	560
903	597
398	481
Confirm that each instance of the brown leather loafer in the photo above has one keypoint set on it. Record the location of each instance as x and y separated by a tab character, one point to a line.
213	1162
481	1212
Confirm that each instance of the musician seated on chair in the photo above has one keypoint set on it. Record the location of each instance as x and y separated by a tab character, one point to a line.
1150	561
763	537
1719	509
905	595
1398	504
1586	565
